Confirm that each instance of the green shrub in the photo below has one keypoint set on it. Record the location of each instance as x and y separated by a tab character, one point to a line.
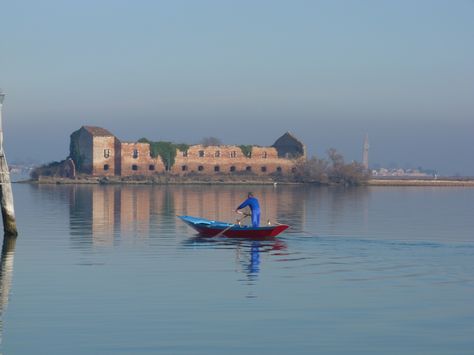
246	150
165	150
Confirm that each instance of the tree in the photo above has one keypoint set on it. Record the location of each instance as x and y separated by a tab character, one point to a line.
336	158
208	141
312	170
331	171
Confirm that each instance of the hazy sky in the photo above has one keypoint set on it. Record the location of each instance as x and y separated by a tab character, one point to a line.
246	72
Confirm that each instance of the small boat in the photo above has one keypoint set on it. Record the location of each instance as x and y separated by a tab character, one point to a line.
208	228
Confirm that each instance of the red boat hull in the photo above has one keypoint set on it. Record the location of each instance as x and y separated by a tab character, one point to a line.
263	232
213	229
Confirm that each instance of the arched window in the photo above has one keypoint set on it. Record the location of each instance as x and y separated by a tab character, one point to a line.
184	168
248	168
200	168
106	153
232	169
135	154
217	154
134	167
217	168
264	155
279	169
151	167
106	167
293	170
263	169
201	153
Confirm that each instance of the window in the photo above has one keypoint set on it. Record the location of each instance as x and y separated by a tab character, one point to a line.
217	154
135	153
184	168
264	155
106	153
200	168
233	154
263	169
185	153
279	169
134	167
217	168
293	170
232	169
248	168
201	153
106	167
151	167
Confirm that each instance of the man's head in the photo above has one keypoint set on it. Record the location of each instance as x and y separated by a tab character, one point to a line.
250	195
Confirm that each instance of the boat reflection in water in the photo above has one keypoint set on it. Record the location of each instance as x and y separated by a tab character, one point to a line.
249	254
6	274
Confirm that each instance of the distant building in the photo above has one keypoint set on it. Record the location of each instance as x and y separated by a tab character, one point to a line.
98	152
400	173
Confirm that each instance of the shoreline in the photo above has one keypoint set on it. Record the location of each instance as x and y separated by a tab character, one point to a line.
420	182
89	180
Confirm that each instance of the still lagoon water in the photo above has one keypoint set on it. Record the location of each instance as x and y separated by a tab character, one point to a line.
111	270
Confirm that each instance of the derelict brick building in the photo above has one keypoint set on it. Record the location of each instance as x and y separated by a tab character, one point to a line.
96	151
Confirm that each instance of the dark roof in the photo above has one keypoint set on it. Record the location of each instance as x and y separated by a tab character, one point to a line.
288	146
98	131
287	138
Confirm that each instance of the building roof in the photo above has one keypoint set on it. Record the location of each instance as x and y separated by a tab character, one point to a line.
98	131
288	146
287	138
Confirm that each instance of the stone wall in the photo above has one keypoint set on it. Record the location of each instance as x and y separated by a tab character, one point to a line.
136	160
230	160
85	144
103	155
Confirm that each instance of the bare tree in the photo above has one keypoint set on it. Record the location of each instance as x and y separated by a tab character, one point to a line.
312	170
335	157
331	171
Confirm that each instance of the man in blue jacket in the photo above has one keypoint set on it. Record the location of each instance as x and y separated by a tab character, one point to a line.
252	202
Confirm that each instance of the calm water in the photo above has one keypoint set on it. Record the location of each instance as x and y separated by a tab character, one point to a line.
110	270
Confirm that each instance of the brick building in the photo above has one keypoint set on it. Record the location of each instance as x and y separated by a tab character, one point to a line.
98	152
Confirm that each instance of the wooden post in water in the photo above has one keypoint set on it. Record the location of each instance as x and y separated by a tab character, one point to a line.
6	274
6	194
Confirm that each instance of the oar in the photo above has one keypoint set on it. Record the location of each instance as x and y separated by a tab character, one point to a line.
232	225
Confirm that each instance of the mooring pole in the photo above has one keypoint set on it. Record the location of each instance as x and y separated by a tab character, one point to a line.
6	194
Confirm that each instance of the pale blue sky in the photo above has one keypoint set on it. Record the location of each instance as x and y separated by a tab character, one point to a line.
244	71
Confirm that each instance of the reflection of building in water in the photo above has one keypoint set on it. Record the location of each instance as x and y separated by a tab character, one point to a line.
134	211
103	216
92	216
100	214
6	273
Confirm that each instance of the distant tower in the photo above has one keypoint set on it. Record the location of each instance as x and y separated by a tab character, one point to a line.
365	158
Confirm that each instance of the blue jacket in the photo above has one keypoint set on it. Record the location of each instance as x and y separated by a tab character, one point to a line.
252	202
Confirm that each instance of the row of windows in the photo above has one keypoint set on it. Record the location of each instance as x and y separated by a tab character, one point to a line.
217	168
201	154
232	169
217	154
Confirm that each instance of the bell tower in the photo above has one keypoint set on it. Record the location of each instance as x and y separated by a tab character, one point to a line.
365	157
